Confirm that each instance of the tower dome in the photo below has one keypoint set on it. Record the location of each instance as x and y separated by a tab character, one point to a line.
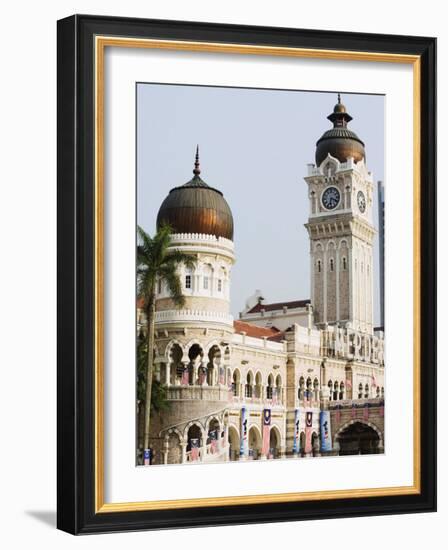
340	142
195	207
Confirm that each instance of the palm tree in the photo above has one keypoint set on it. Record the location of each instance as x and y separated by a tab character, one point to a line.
157	262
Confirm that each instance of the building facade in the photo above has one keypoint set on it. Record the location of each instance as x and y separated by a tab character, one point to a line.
294	379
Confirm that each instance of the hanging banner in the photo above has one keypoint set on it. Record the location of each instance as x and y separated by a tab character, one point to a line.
243	441
194	444
296	443
213	441
147	457
338	413
308	432
185	377
325	431
266	431
366	412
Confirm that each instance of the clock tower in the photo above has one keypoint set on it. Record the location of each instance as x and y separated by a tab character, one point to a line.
340	228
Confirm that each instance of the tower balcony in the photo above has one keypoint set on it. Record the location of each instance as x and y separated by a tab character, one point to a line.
198	393
192	315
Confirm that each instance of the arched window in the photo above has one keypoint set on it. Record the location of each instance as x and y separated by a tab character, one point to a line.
382	392
219	285
278	389
319	266
330	388
249	386
336	391
366	391
309	389
206	277
188	280
316	389
360	391
344	264
301	391
341	390
270	387
331	264
236	383
377	391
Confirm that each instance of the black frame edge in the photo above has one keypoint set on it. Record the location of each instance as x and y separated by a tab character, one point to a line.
67	94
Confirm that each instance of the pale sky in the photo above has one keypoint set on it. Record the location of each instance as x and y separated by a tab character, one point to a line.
254	147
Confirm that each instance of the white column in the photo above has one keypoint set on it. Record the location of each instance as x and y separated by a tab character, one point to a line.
167	373
324	273
351	267
337	284
184	452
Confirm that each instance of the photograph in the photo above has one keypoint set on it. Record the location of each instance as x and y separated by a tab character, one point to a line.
259	262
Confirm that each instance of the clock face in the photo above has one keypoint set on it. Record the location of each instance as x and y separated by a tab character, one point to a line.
361	202
331	198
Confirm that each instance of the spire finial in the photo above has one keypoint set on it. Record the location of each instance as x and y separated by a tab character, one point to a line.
196	170
339	98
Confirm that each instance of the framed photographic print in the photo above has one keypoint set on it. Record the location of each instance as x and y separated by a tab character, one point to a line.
246	268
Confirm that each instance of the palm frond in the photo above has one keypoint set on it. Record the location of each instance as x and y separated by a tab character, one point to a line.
169	274
178	257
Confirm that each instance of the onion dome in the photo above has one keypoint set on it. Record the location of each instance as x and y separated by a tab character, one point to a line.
196	207
339	141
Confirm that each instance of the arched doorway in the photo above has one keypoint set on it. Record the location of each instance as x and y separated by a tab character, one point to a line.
213	366
234	444
214	436
195	355
254	443
274	443
358	438
194	444
302	443
177	367
174	449
315	446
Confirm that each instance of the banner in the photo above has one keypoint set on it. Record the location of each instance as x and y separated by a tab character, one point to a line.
213	442
266	431
147	457
194	444
308	432
185	377
243	441
325	431
366	412
296	444
338	413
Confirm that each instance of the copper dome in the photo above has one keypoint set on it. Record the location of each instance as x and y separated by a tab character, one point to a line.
340	142
197	208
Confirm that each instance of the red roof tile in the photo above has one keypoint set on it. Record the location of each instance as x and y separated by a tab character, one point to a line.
254	330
